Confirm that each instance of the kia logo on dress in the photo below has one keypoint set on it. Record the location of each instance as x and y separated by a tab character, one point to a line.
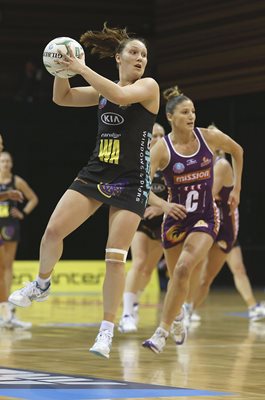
111	118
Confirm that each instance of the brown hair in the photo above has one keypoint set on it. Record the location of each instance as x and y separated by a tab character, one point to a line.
108	42
173	96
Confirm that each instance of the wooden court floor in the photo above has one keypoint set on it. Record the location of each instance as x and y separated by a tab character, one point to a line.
224	353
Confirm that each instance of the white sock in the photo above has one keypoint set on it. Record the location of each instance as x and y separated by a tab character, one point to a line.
129	299
43	283
165	333
5	311
107	325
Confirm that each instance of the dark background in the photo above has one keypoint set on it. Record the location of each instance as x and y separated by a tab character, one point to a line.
215	52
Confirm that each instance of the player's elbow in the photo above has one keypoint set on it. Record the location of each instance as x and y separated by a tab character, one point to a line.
240	150
57	100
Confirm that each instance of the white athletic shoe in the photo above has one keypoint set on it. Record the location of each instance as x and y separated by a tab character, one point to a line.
32	291
195	317
16	323
157	342
178	328
127	324
187	309
257	312
136	313
5	314
102	344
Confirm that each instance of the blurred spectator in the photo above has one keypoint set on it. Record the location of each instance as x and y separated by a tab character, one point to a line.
29	84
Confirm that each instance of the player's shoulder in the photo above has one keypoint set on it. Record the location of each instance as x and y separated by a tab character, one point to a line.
148	81
19	181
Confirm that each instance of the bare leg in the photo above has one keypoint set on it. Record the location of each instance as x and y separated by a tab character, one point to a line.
195	280
145	255
195	249
5	311
216	260
122	227
72	210
236	264
10	254
3	286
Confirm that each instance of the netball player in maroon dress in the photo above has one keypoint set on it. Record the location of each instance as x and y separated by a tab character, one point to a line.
191	224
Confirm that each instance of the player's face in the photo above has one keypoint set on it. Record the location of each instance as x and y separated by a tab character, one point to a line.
133	59
183	116
158	133
5	162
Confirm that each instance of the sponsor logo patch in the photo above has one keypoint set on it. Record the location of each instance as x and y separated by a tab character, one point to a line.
178	168
205	161
193	176
191	161
102	103
201	223
111	118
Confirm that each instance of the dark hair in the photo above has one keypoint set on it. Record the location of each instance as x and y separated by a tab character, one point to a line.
108	42
173	96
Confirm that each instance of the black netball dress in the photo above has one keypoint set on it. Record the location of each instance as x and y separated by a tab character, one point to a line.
9	226
118	171
152	227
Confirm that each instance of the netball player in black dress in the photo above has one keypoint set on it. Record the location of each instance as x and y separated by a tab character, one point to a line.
117	173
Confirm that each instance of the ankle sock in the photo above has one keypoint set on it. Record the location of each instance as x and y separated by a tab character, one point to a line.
129	299
107	325
43	283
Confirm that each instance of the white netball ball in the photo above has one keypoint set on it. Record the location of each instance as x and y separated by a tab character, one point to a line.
54	51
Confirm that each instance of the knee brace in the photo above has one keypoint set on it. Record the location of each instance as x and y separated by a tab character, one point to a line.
116	255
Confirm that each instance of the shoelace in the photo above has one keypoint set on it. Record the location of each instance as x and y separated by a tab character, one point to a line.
30	288
104	335
160	334
177	328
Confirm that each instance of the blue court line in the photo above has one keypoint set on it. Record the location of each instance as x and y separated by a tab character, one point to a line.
39	385
238	314
102	394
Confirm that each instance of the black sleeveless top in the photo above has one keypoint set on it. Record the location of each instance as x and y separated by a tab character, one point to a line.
9	225
118	171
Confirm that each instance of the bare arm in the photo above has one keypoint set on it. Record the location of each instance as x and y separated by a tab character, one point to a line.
159	159
145	91
64	95
141	91
15	195
223	176
219	140
29	194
